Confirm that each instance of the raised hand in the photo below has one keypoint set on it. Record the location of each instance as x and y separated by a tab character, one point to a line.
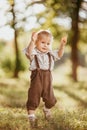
34	37
64	40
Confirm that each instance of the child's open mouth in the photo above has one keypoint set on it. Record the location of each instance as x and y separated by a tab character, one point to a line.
44	49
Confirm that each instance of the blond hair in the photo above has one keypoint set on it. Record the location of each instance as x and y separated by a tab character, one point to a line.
45	32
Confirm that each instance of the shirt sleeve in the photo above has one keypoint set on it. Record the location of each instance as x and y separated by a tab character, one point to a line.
24	50
30	56
54	53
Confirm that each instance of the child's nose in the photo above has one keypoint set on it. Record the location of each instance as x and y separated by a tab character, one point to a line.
45	45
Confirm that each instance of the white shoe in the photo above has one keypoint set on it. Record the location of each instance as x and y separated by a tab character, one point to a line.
33	121
47	113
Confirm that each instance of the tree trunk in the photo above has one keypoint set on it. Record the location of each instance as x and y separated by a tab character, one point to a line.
75	37
16	70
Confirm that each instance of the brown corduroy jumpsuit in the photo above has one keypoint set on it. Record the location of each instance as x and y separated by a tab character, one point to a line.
41	86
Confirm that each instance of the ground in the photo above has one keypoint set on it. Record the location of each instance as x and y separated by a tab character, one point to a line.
70	112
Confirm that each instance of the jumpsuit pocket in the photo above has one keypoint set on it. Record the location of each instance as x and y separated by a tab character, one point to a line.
33	75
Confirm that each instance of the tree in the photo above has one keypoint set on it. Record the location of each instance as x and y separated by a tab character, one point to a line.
17	61
14	24
75	37
76	19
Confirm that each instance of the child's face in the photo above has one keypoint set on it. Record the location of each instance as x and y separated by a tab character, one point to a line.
43	43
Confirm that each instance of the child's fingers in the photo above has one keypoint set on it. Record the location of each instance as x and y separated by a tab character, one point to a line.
34	35
64	39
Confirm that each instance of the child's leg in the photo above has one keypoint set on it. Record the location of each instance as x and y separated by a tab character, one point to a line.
30	112
32	118
47	113
48	94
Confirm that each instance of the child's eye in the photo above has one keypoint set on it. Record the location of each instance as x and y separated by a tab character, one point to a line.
43	42
48	43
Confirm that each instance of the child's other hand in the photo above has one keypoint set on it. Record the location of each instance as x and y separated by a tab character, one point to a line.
64	40
34	37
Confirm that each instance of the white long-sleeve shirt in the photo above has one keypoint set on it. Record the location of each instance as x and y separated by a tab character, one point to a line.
43	59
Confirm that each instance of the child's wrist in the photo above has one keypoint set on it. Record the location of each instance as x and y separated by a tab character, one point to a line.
62	46
32	41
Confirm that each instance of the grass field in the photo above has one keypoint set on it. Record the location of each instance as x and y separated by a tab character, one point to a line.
70	112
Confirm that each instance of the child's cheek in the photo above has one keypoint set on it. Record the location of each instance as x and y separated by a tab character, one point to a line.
50	47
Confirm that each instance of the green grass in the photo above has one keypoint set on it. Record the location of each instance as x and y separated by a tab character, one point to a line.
70	112
16	119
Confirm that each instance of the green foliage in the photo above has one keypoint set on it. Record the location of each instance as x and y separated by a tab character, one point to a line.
7	61
21	66
7	64
2	45
83	35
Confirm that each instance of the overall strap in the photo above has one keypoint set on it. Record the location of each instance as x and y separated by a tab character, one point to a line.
49	55
37	64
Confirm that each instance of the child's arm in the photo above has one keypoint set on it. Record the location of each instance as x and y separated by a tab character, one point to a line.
62	46
31	45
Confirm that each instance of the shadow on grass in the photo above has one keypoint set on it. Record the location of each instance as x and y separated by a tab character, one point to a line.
83	85
74	96
13	95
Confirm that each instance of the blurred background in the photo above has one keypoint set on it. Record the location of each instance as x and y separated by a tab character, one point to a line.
18	18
